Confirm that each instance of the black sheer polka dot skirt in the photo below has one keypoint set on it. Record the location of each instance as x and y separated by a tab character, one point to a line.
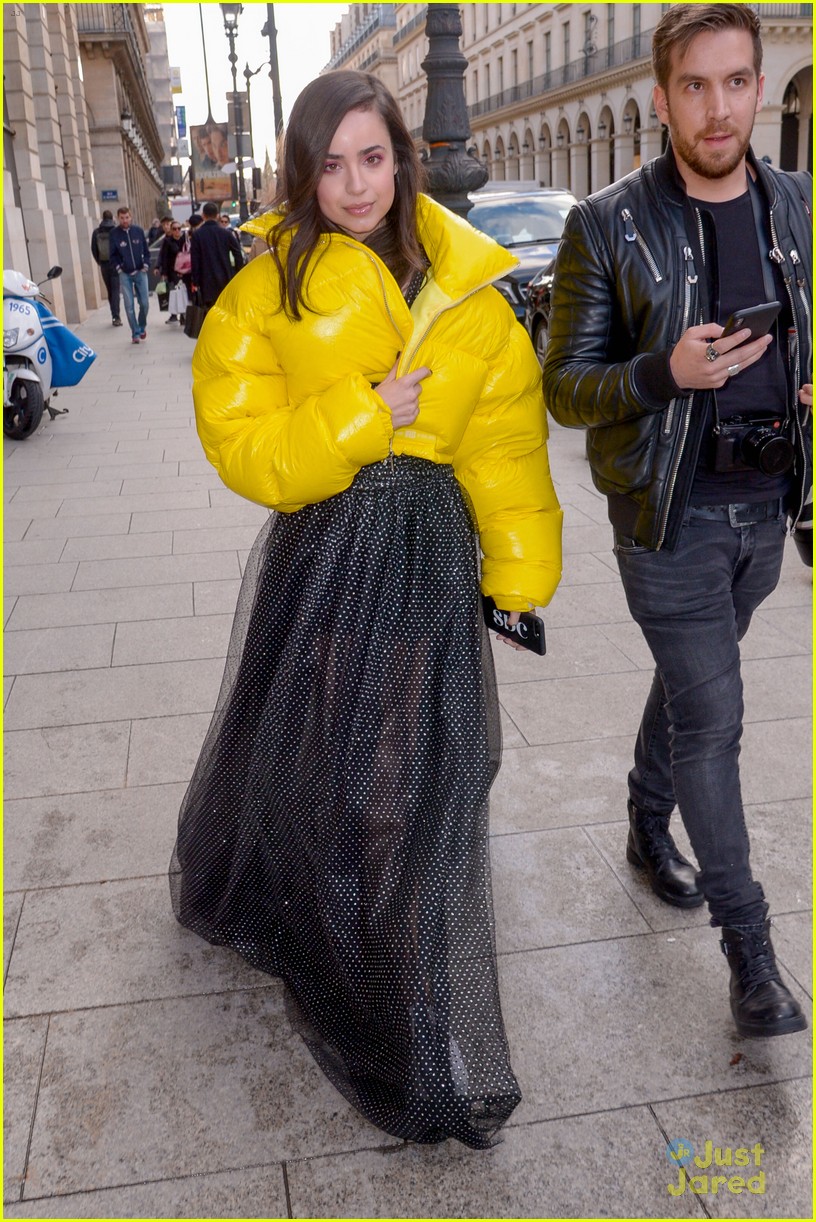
335	828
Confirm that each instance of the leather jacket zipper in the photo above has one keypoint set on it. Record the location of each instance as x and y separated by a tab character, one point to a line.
691	278
632	234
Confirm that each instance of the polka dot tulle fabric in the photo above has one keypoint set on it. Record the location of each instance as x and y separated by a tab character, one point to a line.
335	829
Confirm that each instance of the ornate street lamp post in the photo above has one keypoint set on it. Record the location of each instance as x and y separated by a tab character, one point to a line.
452	171
231	13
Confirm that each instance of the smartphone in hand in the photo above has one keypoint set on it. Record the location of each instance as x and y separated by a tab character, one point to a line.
759	318
528	632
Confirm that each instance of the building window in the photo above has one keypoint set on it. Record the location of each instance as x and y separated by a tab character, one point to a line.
530	72
475	84
610	35
566	29
636	22
514	67
548	52
487	80
501	74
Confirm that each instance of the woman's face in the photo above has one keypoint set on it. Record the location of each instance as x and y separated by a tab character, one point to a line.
357	187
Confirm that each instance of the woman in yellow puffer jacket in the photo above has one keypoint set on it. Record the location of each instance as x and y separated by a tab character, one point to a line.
366	381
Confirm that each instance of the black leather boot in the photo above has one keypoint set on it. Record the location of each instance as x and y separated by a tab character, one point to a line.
760	1002
650	847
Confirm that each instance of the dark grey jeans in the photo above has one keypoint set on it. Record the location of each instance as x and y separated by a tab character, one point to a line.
694	606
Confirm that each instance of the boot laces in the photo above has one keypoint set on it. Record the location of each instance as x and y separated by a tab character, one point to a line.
758	964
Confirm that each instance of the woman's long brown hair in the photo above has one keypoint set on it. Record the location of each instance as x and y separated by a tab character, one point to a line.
316	115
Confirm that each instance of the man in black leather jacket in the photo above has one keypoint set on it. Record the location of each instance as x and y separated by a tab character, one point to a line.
701	443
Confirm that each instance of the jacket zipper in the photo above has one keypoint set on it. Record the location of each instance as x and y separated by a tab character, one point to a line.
690	279
632	234
777	255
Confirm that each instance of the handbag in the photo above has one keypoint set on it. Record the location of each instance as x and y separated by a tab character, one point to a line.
183	263
194	317
179	299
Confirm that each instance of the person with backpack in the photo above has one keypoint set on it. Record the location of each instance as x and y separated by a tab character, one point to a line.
100	249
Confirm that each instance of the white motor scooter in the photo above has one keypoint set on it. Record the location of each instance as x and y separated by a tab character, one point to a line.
30	375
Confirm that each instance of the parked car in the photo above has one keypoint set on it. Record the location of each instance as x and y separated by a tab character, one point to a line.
537	309
528	222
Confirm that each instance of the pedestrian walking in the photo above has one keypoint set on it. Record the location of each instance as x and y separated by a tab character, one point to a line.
157	230
100	249
369	384
216	255
131	260
162	288
700	440
175	264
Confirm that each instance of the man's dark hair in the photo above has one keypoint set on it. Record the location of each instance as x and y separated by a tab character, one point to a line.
107	215
195	220
169	219
121	211
681	24
210	210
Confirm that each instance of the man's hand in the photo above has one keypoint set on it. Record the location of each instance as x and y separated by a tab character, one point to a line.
806	394
691	368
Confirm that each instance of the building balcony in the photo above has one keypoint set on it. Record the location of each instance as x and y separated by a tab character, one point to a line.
384	18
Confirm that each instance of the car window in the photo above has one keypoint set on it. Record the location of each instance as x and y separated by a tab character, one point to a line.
516	222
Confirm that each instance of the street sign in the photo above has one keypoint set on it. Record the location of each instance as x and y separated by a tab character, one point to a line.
181	120
111	196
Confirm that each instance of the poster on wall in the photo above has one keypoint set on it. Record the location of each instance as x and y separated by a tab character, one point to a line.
209	150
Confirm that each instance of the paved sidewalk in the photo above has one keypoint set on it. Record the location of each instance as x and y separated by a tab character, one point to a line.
149	1075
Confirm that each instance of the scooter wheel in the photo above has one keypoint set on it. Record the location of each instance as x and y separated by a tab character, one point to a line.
23	416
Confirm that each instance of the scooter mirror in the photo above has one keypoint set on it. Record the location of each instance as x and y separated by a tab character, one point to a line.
55	271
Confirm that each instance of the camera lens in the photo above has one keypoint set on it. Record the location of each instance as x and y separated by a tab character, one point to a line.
764	449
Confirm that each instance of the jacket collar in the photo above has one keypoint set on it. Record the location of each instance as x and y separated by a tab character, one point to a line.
671	183
463	258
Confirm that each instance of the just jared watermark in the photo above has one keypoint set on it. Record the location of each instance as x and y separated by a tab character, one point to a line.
682	1153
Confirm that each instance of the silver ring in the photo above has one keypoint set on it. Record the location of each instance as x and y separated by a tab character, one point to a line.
732	369
711	353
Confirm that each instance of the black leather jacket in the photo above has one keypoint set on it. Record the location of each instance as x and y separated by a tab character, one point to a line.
630	278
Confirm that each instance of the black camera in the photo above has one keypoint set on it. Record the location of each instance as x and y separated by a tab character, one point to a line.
753	443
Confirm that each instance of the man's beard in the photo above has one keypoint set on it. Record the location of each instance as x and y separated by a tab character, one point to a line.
710	164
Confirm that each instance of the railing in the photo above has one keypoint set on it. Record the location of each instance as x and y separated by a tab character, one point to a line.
417	20
625	52
383	18
103	19
784	10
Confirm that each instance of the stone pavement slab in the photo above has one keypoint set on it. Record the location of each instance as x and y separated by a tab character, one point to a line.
65	759
165	749
171	1088
72	838
611	1164
23	1048
104	944
643	1003
251	1192
778	1119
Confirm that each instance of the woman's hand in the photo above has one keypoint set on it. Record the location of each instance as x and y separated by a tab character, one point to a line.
401	395
513	618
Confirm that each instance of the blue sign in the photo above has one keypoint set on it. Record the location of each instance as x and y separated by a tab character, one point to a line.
110	195
181	121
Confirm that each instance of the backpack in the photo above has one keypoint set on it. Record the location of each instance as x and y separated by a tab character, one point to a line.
103	244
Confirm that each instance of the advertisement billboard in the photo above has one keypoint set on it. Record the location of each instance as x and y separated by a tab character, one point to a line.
210	153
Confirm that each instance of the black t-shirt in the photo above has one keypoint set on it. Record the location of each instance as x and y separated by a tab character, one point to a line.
760	390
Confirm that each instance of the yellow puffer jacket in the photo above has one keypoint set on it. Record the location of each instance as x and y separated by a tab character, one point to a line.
287	414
